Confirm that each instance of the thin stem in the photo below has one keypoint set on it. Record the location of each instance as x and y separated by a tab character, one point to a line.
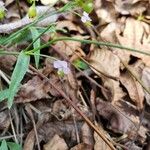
38	37
91	42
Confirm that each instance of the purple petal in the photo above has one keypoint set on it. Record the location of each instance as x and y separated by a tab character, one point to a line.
64	64
57	64
66	70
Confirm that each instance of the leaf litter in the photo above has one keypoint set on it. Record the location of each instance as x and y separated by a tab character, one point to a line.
47	120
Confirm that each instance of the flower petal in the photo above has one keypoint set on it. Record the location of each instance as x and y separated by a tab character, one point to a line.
57	64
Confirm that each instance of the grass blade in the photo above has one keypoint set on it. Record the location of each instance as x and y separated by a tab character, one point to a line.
3	145
36	44
17	76
4	94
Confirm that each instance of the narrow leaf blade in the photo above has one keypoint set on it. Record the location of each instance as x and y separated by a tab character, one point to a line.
4	94
17	76
14	146
36	44
3	145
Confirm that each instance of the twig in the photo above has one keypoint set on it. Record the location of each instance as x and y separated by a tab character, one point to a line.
76	108
13	129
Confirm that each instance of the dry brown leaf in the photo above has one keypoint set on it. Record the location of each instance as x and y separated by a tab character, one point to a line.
146	82
134	89
68	47
132	146
134	7
108	63
87	135
99	142
136	35
69	25
65	129
61	110
7	62
33	90
81	146
4	120
118	122
105	11
108	33
56	143
132	113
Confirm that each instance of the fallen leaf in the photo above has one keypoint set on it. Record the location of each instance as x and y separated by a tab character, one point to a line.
105	11
118	122
33	90
134	89
56	143
136	35
99	142
87	135
81	146
146	82
4	120
66	130
108	63
67	24
134	7
68	47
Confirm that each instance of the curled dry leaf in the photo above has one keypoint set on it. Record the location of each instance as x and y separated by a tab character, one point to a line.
66	130
132	146
7	62
108	63
68	47
134	89
69	25
118	122
105	11
56	143
132	113
4	120
60	110
146	82
133	7
136	35
99	142
87	135
34	89
38	88
81	146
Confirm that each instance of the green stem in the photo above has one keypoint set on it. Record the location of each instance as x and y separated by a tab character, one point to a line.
91	42
38	37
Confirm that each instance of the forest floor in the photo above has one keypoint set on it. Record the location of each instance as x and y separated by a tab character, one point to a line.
75	75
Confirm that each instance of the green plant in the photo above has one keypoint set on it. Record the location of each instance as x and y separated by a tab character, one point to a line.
9	146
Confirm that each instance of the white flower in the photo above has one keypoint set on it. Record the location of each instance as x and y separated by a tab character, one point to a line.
62	66
85	18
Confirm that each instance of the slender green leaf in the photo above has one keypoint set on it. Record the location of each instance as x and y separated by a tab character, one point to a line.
69	6
14	146
3	145
18	74
80	64
36	44
4	94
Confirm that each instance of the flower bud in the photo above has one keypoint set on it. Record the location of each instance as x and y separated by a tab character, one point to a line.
2	13
32	11
88	7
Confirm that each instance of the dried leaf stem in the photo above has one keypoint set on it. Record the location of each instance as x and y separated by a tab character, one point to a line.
77	109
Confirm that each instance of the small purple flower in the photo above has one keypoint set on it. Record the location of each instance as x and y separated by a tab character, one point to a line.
62	66
85	17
